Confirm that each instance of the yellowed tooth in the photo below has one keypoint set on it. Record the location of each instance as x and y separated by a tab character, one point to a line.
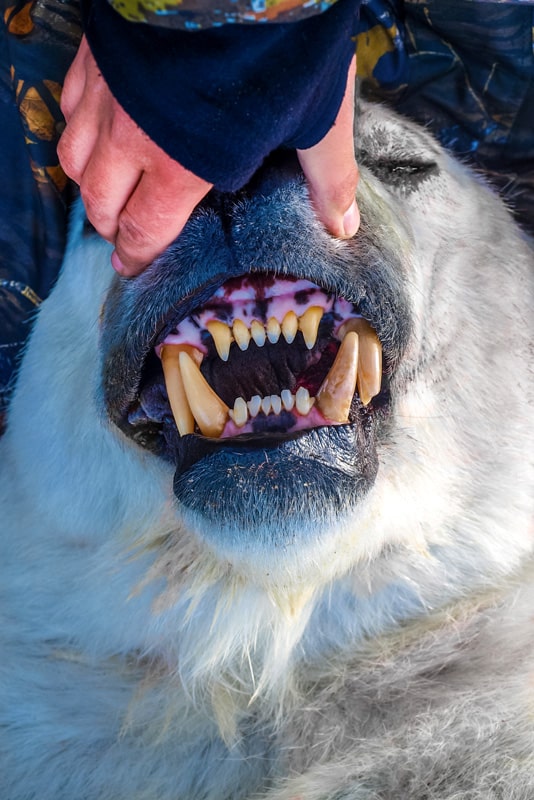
288	400
240	412
258	332
170	355
266	405
337	390
209	411
222	337
369	358
290	326
303	401
309	325
254	405
273	330
241	334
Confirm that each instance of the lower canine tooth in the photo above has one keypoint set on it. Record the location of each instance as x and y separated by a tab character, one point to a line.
170	361
309	325
303	401
337	390
369	358
207	407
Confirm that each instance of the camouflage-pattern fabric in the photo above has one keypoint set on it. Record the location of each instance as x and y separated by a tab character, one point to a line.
38	40
466	69
196	15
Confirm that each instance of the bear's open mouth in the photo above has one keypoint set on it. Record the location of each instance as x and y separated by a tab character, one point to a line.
263	356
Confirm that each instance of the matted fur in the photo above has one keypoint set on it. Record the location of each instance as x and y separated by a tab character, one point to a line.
388	654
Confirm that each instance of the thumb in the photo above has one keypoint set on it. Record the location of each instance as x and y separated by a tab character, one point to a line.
331	171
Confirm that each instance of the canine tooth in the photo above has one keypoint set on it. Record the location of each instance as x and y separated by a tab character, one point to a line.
207	407
241	334
254	405
288	399
240	412
369	359
276	404
222	337
266	405
303	401
337	390
258	332
309	325
170	361
290	326
273	330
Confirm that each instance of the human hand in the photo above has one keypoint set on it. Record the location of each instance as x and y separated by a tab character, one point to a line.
139	198
135	195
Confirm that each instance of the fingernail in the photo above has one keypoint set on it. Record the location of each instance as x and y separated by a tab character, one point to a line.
351	220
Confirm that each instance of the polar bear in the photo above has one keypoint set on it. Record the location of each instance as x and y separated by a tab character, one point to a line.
266	510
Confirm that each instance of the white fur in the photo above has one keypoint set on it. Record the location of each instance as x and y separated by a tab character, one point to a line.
390	658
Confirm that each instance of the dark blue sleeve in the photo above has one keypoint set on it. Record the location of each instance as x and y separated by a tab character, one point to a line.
220	100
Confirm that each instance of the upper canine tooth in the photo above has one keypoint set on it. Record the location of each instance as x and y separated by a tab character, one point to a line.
241	334
258	332
337	390
369	358
309	325
207	407
303	401
170	361
222	337
240	412
288	399
254	405
290	326
273	330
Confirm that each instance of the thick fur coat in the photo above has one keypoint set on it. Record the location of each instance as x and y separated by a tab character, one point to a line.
343	612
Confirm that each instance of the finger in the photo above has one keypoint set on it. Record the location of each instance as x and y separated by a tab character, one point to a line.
155	214
106	186
75	81
331	171
77	143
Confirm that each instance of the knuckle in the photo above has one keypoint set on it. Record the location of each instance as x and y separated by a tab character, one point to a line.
66	152
134	233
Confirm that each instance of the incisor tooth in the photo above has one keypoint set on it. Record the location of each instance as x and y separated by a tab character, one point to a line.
254	405
241	334
207	407
273	330
303	401
309	325
240	412
288	399
170	355
266	405
369	358
337	390
276	404
222	337
258	332
290	326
